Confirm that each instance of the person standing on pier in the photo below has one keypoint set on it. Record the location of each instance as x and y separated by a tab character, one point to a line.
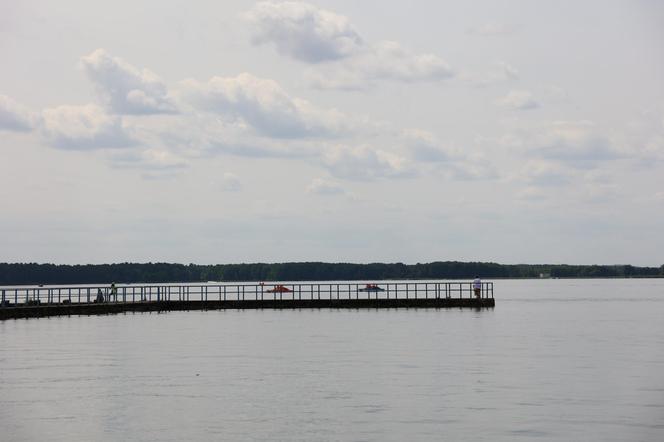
477	287
114	292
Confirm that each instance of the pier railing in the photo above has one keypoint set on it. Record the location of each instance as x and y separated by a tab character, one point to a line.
54	295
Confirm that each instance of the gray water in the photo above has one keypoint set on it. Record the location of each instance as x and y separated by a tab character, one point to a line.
557	360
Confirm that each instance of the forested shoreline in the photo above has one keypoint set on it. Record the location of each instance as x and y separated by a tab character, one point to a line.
33	273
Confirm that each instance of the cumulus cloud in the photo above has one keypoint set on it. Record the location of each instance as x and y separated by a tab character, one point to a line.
575	142
303	31
455	164
518	100
547	180
263	105
243	115
313	35
83	127
124	88
424	147
579	144
321	186
195	135
366	163
14	116
387	60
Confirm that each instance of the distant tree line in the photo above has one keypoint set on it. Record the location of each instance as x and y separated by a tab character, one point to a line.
32	273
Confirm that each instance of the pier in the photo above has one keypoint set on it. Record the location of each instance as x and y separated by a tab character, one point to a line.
31	302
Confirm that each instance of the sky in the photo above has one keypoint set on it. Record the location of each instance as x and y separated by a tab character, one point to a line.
341	131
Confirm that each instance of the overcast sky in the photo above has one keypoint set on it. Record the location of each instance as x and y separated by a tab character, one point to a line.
373	131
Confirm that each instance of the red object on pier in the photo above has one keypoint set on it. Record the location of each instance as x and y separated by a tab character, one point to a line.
279	289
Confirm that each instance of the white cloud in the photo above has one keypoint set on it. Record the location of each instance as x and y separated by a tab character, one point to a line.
126	89
366	163
424	147
264	105
231	183
579	144
196	135
545	180
14	116
313	35
575	142
321	186
453	164
387	60
303	31
518	100
83	127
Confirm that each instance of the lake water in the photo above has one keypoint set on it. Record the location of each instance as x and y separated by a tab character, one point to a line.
564	360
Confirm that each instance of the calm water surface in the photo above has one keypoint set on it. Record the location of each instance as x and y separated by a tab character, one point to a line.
566	360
